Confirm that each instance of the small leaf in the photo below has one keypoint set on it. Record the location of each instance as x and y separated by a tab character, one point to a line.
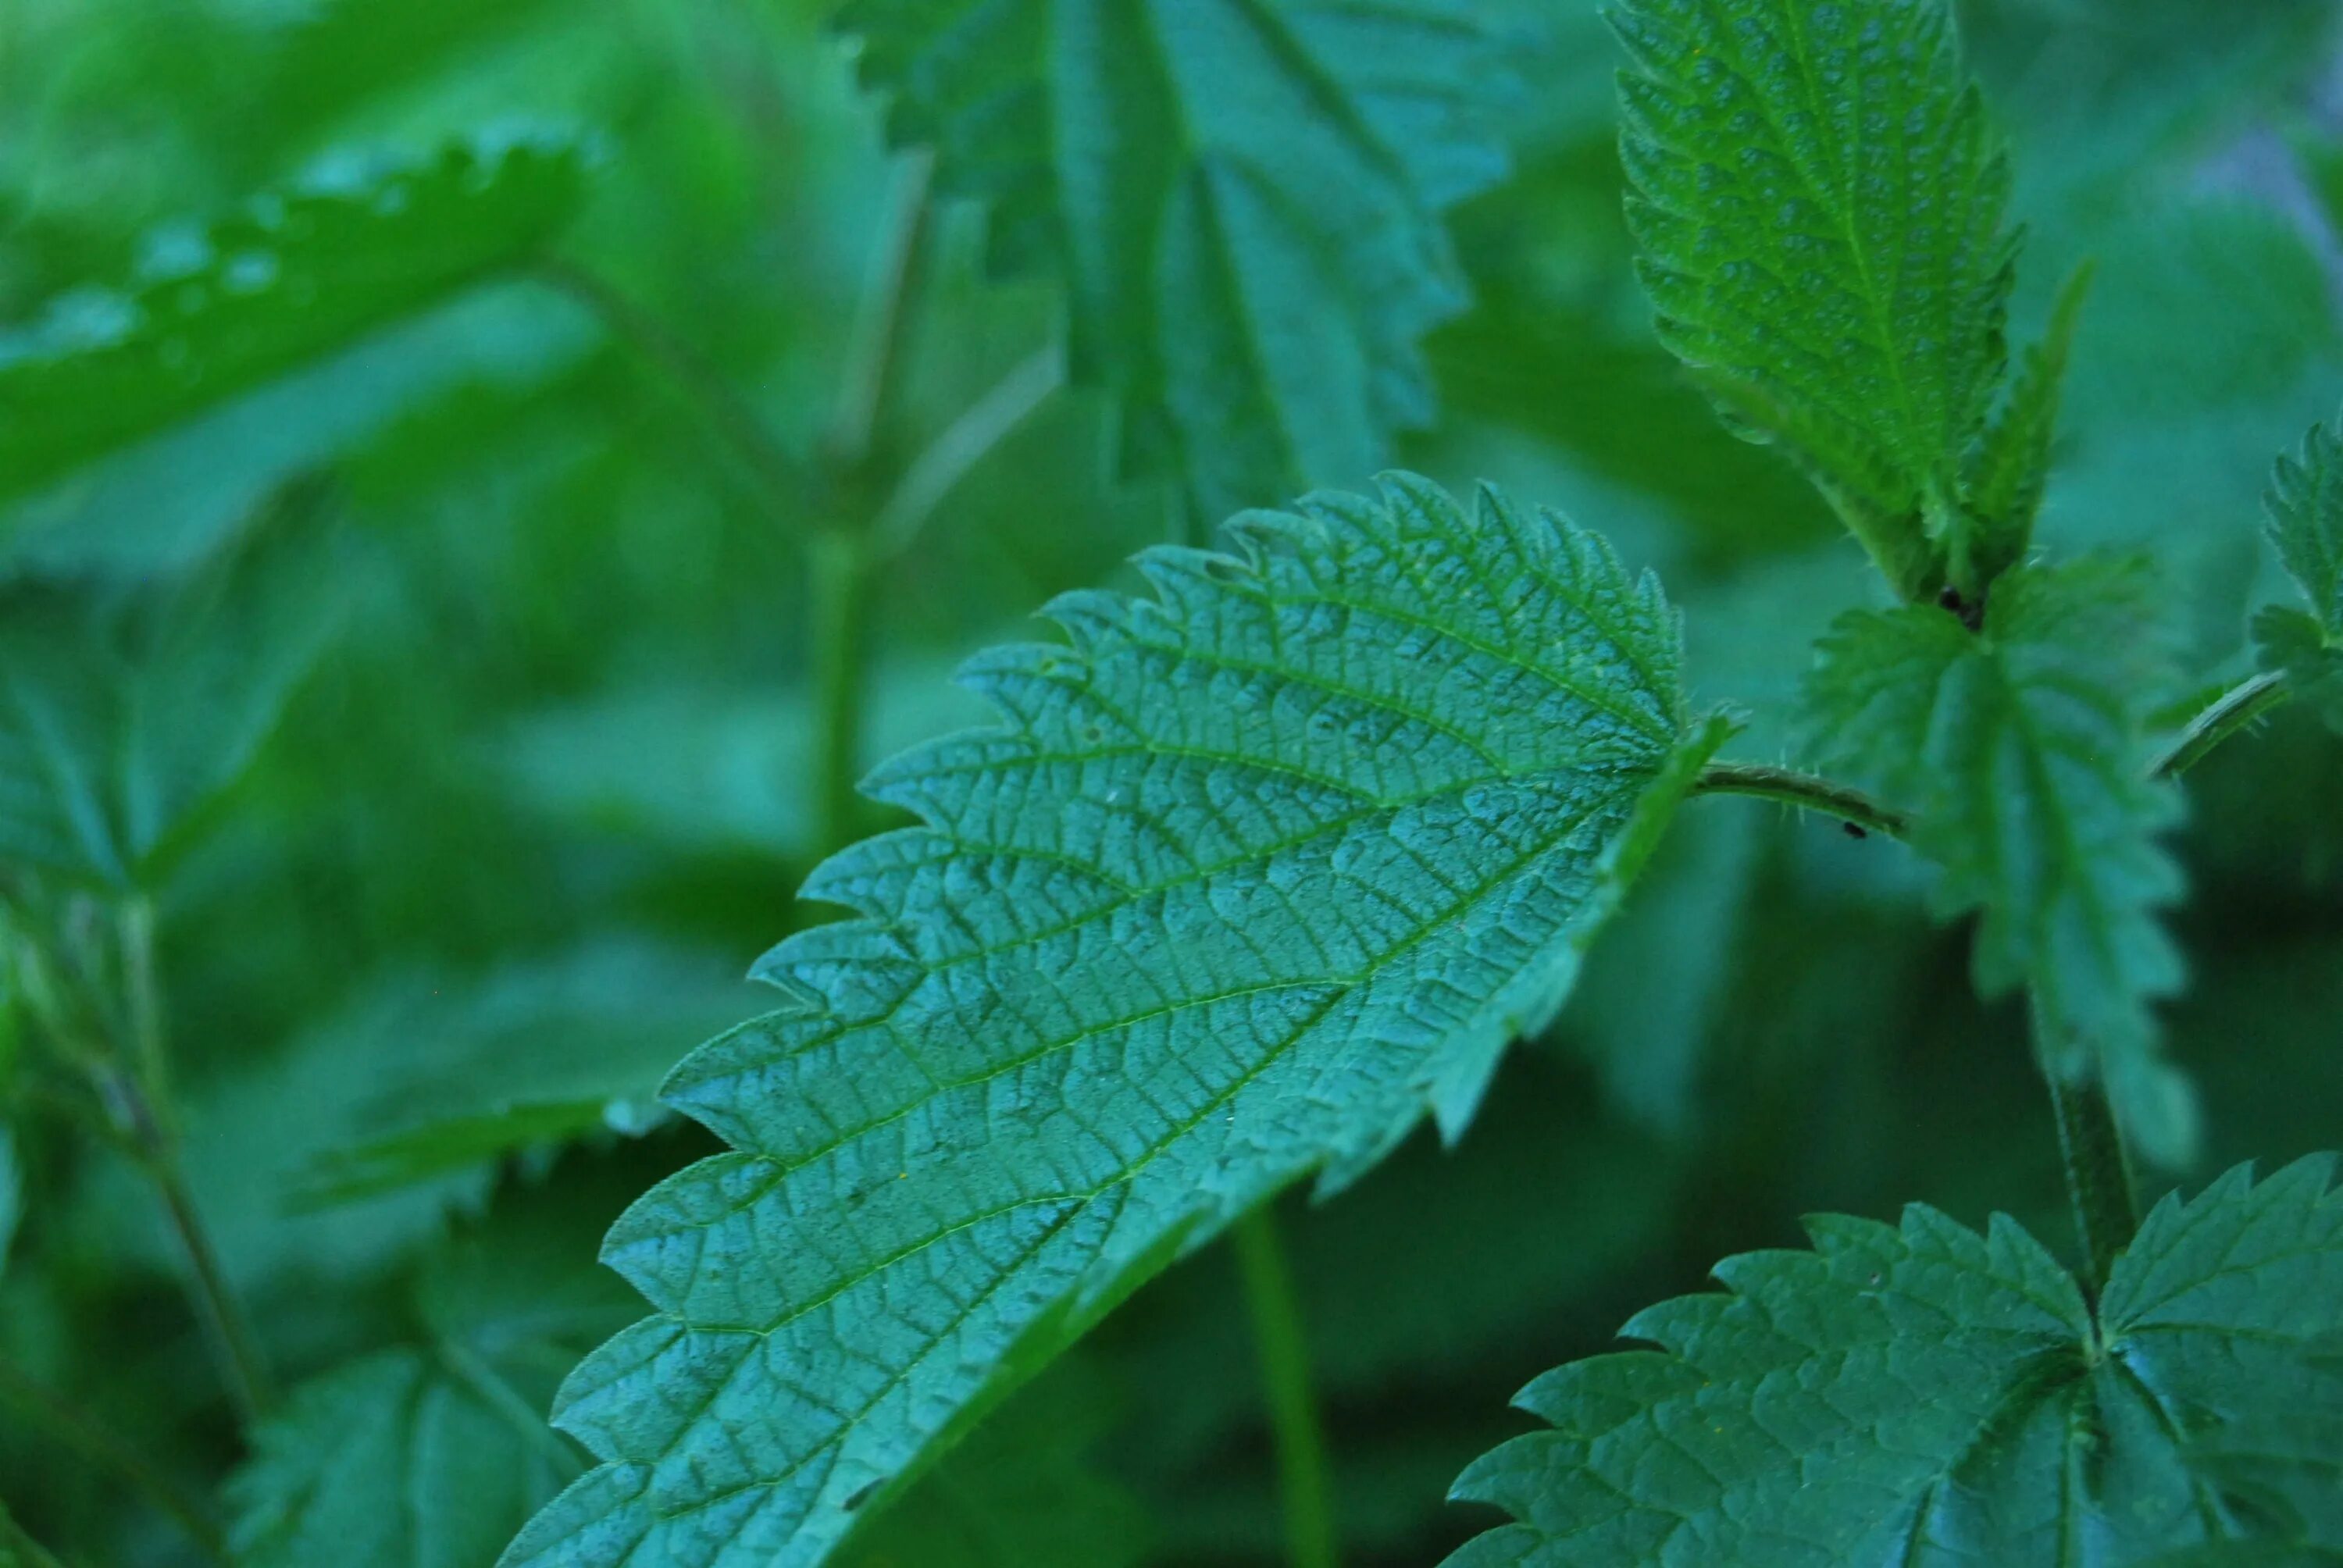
2305	503
1258	871
431	1454
297	274
2002	489
1243	195
1819	201
1925	1395
2306	521
2023	751
123	711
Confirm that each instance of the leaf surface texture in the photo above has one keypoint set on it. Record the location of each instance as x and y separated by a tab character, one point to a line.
1257	869
1922	1394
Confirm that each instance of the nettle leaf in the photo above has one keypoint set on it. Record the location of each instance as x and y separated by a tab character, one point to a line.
1243	194
1924	1394
297	274
2305	503
2008	470
1819	201
2023	750
125	709
430	1454
530	1056
1257	870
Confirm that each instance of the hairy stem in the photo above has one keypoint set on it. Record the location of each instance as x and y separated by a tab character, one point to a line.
101	1449
1282	1346
1807	792
2098	1174
784	481
2229	713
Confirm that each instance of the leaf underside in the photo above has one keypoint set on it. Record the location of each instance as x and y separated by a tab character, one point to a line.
1243	196
1818	204
295	275
1924	1394
1257	869
2022	749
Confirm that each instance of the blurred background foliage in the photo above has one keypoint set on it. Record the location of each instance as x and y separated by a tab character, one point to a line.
438	674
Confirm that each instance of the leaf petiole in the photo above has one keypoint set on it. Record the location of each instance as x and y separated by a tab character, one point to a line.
1805	791
2233	710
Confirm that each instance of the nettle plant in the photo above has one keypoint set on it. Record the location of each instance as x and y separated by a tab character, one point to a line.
1265	866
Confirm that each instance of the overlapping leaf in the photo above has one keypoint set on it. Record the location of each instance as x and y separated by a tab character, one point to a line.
1819	201
1926	1395
1257	870
123	710
297	274
2306	512
1243	194
2023	750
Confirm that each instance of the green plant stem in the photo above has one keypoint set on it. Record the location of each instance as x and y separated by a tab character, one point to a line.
27	1552
1805	791
842	583
1282	1346
964	444
785	483
2098	1174
873	380
847	553
103	1449
2229	713
137	1094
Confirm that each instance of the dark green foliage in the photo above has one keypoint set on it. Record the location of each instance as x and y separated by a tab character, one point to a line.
1925	1394
454	572
1244	197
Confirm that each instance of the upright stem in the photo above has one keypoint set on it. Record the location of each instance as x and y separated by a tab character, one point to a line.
841	601
103	1449
847	553
2098	1175
1282	1346
138	1093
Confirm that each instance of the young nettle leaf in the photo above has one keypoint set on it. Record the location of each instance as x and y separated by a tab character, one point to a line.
295	275
1819	201
1243	195
2001	489
1257	870
1924	1394
124	709
2022	749
2306	511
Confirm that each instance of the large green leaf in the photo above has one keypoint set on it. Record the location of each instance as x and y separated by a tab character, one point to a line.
123	709
2306	511
1257	870
1818	200
1926	1395
2022	749
1243	195
297	274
